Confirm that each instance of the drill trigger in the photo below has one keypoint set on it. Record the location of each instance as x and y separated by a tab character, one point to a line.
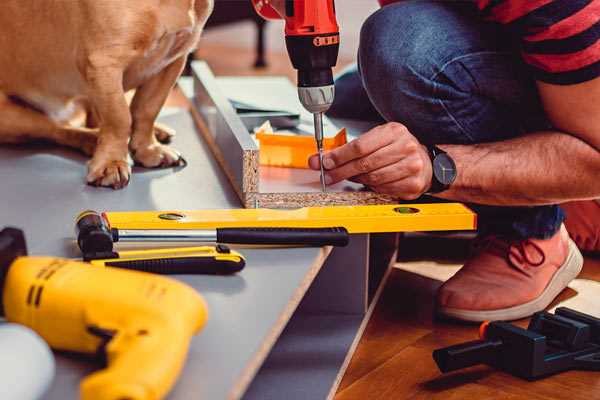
105	335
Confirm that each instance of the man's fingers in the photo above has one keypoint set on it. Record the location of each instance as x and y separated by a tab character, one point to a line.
410	188
383	157
373	140
404	168
313	162
368	143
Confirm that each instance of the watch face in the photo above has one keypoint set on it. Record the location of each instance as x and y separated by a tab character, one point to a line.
444	169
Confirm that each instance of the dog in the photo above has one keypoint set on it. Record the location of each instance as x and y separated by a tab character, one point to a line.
61	56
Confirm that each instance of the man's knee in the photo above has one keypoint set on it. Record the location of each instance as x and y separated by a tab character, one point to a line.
408	38
401	49
405	49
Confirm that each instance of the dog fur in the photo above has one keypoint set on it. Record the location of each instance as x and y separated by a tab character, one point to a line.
58	56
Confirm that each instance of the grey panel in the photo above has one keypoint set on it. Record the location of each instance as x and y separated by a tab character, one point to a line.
382	248
341	285
42	190
227	129
306	360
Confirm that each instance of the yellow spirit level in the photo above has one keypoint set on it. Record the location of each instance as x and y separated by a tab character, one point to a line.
355	219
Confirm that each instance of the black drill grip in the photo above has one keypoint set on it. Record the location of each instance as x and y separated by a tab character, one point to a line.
466	354
181	265
316	237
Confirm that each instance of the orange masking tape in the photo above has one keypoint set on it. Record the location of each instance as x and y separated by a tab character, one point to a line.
293	151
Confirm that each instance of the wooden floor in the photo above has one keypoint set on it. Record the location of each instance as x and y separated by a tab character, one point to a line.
393	360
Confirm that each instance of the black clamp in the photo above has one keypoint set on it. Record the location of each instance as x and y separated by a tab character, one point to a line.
552	343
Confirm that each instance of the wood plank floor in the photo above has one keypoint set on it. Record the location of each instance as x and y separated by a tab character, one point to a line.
393	360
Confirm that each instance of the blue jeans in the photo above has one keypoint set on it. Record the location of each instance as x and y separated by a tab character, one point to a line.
451	78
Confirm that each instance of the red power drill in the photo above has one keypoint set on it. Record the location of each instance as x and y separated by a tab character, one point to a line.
312	38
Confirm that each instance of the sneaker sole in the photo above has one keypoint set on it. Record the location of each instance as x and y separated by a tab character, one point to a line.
568	271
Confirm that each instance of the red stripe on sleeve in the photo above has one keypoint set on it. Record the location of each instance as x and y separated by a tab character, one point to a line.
386	2
482	4
556	63
511	10
576	23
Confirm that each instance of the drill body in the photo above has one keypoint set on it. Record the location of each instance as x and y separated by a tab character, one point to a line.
312	40
139	324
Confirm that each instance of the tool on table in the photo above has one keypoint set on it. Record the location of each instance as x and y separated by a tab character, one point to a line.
278	149
206	260
139	324
355	219
27	367
253	117
312	39
95	236
552	343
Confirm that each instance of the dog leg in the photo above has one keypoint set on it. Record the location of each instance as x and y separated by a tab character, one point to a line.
20	124
109	167
163	133
145	106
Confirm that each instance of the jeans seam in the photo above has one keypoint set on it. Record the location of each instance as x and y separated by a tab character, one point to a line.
434	77
455	59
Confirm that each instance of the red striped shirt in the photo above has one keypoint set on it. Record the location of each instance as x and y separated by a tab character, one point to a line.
560	39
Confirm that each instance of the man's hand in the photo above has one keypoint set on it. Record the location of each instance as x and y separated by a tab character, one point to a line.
388	158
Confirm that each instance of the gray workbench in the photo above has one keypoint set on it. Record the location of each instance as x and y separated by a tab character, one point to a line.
242	349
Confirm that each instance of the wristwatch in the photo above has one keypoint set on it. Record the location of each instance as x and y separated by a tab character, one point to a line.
443	168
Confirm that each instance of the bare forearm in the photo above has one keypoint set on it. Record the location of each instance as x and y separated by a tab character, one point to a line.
540	168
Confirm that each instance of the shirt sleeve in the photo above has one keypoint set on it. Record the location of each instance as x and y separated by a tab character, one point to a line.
560	39
383	3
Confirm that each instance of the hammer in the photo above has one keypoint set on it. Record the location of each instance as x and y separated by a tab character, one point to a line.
95	236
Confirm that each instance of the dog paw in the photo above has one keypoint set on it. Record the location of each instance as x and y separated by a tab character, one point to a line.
109	173
163	133
157	155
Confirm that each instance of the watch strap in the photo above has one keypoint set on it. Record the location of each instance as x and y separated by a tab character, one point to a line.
436	185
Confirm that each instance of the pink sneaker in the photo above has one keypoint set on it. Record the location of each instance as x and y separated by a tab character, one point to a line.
508	280
583	224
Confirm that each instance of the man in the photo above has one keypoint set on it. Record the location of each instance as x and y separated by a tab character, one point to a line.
509	90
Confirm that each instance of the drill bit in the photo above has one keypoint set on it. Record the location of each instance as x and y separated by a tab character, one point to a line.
319	138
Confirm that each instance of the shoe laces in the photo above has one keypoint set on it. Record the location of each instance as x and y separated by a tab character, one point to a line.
512	250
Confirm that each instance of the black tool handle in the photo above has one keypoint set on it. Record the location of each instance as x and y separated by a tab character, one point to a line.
592	321
466	354
181	265
284	236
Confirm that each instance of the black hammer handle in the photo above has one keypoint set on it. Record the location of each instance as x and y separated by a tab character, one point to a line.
316	237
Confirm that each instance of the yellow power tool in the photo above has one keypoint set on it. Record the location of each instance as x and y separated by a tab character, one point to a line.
140	324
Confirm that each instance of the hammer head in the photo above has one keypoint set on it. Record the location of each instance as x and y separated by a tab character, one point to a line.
94	235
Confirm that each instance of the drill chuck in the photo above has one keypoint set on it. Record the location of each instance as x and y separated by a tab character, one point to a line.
316	99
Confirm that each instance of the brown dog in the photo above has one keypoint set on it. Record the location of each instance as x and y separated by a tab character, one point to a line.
60	53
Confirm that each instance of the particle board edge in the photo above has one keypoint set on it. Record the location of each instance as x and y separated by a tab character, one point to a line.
316	199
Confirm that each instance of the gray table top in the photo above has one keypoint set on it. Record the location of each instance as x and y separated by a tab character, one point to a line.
42	190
